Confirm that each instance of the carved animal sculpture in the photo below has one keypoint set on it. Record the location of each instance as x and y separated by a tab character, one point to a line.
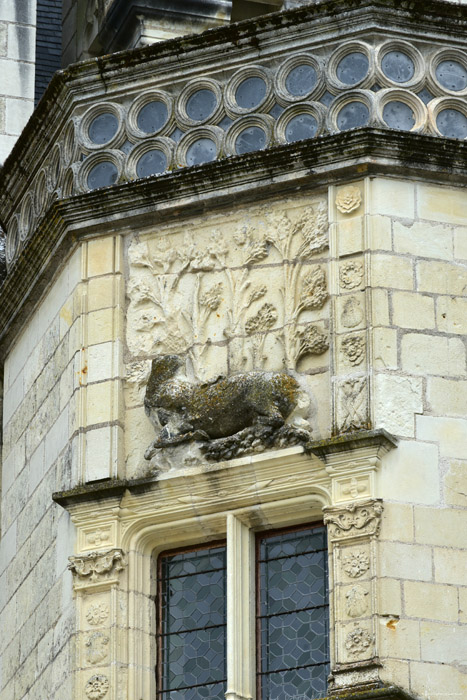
216	409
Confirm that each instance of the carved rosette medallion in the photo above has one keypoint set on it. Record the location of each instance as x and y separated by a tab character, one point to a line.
351	274
359	642
97	613
354	520
353	349
97	566
356	564
97	687
348	199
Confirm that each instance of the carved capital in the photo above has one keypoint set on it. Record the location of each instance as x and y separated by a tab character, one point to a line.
97	566
354	520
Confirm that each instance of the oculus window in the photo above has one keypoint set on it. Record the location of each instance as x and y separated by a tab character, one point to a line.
292	628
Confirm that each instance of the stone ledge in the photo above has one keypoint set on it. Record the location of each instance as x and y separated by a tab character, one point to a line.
386	693
115	488
352	441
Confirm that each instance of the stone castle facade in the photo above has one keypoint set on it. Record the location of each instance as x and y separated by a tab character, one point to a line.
233	319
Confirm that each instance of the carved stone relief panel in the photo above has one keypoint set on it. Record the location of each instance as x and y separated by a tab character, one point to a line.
231	295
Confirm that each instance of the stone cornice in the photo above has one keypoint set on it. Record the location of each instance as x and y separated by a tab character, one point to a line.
82	82
386	693
280	169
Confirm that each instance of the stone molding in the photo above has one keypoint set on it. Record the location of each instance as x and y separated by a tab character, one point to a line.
97	567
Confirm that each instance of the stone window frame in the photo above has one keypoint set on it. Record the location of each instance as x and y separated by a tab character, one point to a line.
124	526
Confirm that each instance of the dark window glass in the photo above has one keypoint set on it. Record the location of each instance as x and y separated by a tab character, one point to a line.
398	115
352	115
301	80
103	128
251	139
452	124
152	117
153	162
191	636
292	622
452	75
201	104
250	92
398	66
352	68
102	175
303	126
201	151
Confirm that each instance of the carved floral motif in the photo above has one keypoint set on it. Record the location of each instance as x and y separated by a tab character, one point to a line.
355	519
348	199
96	647
312	341
97	687
351	274
177	291
97	613
356	564
353	349
358	641
97	564
356	601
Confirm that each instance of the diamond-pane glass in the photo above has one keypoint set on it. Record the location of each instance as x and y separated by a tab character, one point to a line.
293	633
192	629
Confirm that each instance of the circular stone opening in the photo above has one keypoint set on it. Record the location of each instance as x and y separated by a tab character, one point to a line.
250	93
103	128
201	151
152	117
352	115
399	115
398	66
303	126
103	174
251	139
451	75
301	80
353	68
452	124
151	163
201	104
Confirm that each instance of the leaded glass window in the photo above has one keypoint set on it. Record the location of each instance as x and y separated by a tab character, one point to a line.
191	634
292	614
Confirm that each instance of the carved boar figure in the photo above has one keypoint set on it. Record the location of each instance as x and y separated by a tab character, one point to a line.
183	411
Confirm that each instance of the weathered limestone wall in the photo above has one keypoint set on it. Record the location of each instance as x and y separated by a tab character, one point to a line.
418	273
17	54
36	609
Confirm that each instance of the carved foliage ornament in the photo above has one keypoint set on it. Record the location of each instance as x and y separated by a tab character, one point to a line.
95	565
348	199
353	349
97	687
362	519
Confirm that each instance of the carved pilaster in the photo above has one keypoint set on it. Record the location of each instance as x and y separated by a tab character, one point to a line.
97	581
352	532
